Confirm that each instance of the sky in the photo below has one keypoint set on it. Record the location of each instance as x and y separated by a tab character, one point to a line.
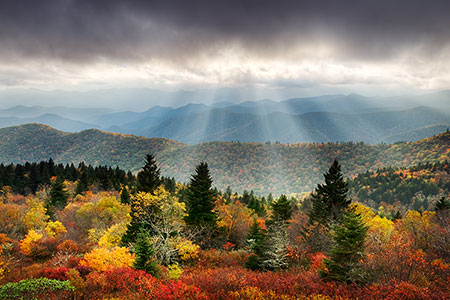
383	47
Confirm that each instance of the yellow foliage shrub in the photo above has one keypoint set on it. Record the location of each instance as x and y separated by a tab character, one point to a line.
27	243
36	217
55	229
187	250
113	236
101	259
174	271
380	228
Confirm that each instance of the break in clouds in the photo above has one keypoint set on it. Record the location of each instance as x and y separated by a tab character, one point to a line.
268	43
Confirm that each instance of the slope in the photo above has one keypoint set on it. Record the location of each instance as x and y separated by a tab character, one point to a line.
263	167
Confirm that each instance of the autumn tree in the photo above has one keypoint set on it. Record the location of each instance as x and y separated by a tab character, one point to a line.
199	199
329	200
143	206
347	253
145	210
149	178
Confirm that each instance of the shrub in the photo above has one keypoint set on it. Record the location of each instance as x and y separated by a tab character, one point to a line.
54	273
68	247
102	259
39	288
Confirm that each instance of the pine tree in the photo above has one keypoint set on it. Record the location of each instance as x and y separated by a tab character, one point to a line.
318	212
329	200
347	253
257	240
275	256
148	179
144	255
270	198
442	204
125	196
58	194
281	210
83	184
199	199
227	194
256	205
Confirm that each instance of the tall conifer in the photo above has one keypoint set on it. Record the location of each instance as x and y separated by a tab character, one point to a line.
199	199
148	179
347	253
329	200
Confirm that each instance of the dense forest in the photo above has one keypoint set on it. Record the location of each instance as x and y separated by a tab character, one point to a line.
86	232
416	187
262	167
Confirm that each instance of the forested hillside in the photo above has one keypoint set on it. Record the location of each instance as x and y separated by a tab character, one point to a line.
416	187
36	142
262	167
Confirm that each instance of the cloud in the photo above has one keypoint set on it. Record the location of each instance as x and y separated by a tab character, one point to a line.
85	30
225	41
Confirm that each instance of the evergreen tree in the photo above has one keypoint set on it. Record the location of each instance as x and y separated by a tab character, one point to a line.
347	253
257	240
58	194
199	199
148	179
227	194
144	255
170	184
281	210
275	256
329	200
83	184
245	197
318	212
125	196
256	205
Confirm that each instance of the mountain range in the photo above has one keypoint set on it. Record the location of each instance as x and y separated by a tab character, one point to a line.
329	118
262	167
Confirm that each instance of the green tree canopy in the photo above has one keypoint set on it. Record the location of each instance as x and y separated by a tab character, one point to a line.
281	210
145	255
148	179
329	200
199	199
347	253
58	194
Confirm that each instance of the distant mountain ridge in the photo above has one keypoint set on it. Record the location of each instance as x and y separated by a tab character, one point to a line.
262	167
327	118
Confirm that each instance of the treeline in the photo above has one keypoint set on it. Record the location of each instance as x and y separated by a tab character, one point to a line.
407	188
29	177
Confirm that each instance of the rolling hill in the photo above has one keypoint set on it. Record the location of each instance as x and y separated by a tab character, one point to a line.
263	167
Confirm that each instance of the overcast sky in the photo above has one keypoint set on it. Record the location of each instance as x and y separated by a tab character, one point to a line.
310	47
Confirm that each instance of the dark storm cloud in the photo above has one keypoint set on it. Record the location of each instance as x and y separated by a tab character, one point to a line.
90	30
